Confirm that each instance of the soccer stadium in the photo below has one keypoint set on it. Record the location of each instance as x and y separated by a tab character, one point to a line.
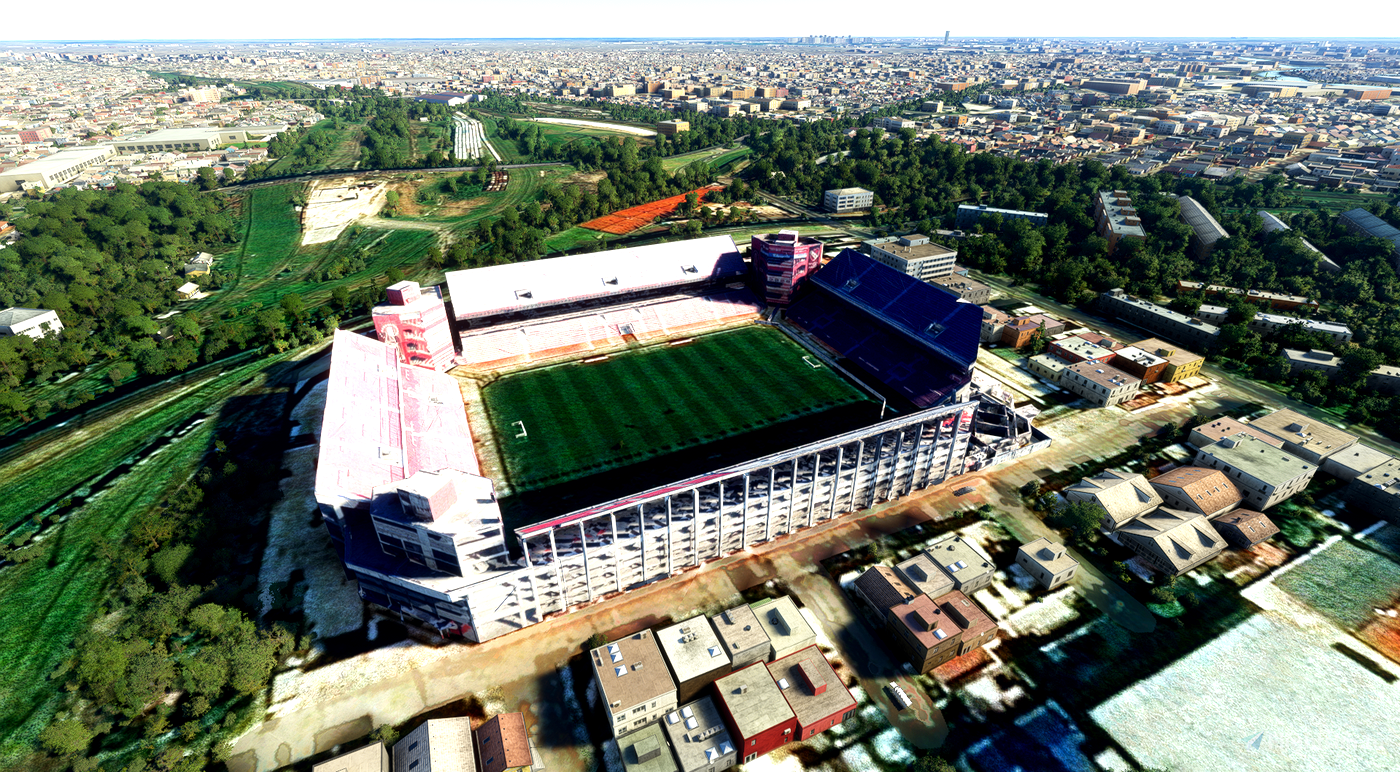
632	414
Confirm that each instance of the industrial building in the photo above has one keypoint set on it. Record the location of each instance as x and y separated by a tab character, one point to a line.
915	256
782	262
1273	224
34	322
1116	219
969	214
54	170
1205	230
847	199
1363	223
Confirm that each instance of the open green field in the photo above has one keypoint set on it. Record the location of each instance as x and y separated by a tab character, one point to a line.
50	596
1345	582
586	418
573	238
716	157
506	147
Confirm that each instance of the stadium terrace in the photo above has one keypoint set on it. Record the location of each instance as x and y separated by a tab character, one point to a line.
421	519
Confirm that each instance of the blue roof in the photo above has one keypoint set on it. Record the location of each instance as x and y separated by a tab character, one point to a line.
925	314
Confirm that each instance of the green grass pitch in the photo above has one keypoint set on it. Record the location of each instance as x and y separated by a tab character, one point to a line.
580	419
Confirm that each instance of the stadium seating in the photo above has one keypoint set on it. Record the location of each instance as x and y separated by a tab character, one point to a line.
581	333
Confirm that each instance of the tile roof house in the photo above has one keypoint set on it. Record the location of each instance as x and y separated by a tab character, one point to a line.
1171	541
699	737
1047	562
634	682
1307	438
371	758
1244	528
1121	496
969	569
1196	490
743	638
503	745
787	629
756	711
882	587
924	575
695	655
437	745
813	690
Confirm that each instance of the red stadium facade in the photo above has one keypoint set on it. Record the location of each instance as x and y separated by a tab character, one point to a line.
415	323
782	261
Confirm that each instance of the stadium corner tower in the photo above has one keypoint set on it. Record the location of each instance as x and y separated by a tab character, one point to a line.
578	376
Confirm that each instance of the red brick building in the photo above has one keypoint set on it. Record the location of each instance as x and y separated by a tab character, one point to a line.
813	690
754	708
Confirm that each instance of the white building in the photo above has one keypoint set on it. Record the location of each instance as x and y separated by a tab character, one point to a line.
34	322
916	256
848	199
55	169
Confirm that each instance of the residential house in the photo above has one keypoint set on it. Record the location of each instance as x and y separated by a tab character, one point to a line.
1205	492
695	654
1121	496
743	638
813	691
503	745
1244	528
755	710
1171	541
932	631
1307	438
633	681
699	737
1047	562
969	569
1264	474
437	745
787	629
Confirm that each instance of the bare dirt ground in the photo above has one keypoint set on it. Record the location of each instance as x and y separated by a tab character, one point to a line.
585	180
332	205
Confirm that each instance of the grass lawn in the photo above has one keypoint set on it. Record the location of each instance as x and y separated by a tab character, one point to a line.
583	419
1345	582
572	238
506	147
715	157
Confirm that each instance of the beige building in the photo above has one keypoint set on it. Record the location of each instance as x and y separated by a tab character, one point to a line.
1264	474
916	256
438	745
1377	491
371	758
1047	562
634	682
1225	426
1205	492
969	569
672	128
53	170
1307	438
1121	496
848	200
1103	385
1171	541
787	630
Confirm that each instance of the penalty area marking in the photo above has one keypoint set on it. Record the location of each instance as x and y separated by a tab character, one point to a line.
814	364
522	433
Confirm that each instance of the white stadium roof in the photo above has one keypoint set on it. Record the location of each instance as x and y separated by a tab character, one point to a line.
541	283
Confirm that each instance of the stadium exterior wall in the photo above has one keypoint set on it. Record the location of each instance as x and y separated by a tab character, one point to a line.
600	551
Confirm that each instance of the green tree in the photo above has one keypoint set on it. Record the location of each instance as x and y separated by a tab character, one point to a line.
1082	518
66	737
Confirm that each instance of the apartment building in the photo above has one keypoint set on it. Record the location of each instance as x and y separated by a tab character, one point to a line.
1171	541
672	128
1115	218
993	324
1018	331
1143	365
1307	438
1103	385
646	750
695	655
883	588
916	256
699	737
963	563
846	199
1158	319
437	745
1349	464
755	709
1181	364
1047	562
967	289
634	682
1076	349
1122	496
1225	426
933	631
813	691
1205	492
744	640
786	628
923	575
1264	474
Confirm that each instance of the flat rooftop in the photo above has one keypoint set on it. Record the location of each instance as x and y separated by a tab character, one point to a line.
631	671
692	648
1317	436
754	700
1258	459
812	688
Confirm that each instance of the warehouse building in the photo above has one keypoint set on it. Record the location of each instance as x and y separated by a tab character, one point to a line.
1205	230
54	170
1363	223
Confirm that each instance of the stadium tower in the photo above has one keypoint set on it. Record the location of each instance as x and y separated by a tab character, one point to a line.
415	323
783	260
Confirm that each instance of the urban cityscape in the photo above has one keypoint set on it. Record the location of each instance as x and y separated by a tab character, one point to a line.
824	402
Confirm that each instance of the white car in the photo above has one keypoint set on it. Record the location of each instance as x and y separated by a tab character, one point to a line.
901	698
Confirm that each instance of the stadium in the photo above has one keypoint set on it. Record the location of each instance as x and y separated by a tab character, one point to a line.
633	414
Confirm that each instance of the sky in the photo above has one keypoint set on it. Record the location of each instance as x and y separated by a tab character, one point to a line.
318	19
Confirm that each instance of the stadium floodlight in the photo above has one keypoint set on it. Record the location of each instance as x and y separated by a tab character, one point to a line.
522	433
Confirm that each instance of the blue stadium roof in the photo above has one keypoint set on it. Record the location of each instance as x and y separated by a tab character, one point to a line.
924	313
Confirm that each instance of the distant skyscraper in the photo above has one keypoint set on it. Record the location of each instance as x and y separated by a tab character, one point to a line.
945	36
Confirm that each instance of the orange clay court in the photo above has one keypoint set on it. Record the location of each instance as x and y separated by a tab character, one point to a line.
629	220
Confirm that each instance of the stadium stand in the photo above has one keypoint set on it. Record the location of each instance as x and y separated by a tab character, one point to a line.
587	331
859	302
527	290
